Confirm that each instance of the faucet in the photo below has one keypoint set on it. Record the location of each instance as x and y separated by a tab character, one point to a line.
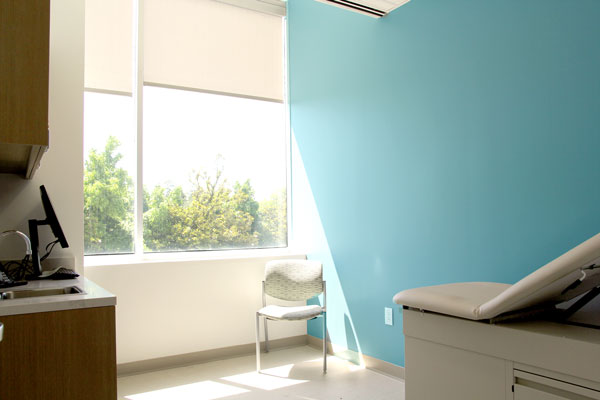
24	236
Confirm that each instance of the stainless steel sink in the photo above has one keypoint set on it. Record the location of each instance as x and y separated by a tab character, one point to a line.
23	294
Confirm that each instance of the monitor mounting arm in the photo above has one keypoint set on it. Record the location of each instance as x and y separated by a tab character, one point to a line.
35	242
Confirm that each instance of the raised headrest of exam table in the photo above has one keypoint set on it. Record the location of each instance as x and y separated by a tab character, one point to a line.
572	274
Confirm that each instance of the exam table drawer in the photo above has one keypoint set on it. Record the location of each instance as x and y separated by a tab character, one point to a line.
530	386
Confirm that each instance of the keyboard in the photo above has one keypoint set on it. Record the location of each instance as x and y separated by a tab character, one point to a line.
6	282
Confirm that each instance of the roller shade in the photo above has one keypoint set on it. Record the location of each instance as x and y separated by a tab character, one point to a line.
212	46
108	45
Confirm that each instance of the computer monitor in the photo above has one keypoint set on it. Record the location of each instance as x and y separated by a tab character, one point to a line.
51	220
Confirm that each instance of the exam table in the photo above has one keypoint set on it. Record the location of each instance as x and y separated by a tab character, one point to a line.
485	340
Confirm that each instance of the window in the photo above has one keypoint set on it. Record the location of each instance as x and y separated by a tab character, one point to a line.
185	137
110	163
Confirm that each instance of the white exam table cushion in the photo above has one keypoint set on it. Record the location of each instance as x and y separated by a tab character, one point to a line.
485	300
458	299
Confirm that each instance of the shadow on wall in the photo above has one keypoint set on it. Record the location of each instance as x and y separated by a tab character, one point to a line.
309	236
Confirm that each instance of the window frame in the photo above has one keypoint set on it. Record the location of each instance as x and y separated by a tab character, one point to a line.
138	83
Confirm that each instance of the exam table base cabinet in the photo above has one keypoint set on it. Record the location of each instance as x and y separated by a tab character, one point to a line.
456	359
59	355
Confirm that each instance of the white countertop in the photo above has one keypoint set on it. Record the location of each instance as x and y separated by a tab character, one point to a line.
92	296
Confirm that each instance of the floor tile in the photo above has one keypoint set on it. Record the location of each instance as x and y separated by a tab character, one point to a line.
294	373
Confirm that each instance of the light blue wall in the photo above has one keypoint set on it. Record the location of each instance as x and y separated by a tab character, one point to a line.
453	140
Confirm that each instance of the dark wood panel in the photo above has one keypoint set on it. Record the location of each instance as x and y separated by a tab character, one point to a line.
59	355
24	67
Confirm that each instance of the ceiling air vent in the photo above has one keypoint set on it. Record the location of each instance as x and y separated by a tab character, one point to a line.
373	8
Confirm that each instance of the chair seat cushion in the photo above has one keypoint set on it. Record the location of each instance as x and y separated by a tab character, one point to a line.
290	313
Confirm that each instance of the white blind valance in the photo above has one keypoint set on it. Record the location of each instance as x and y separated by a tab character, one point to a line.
211	46
108	45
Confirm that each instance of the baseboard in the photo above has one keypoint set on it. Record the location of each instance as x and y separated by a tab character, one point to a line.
182	360
384	367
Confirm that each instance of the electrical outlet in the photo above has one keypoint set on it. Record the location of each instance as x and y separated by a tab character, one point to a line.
389	317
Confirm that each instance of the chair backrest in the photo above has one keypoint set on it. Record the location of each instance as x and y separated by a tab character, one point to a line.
293	280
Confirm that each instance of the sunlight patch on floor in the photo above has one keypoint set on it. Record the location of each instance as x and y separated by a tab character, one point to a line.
268	379
350	365
206	390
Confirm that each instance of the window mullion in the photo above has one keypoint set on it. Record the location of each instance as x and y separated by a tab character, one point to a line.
138	88
288	134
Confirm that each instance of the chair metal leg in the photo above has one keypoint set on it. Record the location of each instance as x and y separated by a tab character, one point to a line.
266	337
325	342
257	343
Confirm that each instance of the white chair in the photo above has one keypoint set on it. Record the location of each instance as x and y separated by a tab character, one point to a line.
292	280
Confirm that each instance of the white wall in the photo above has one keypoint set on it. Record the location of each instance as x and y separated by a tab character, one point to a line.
61	170
172	308
163	309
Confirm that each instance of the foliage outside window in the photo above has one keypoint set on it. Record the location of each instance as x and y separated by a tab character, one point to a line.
213	215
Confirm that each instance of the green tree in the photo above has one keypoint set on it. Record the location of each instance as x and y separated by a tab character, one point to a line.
164	219
108	202
212	216
272	227
243	197
218	217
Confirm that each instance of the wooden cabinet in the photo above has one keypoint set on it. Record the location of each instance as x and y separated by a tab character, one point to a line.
24	68
59	355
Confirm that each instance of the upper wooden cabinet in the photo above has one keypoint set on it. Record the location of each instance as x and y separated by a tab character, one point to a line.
24	66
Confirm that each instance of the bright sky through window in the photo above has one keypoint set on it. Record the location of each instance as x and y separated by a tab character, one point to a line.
185	131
